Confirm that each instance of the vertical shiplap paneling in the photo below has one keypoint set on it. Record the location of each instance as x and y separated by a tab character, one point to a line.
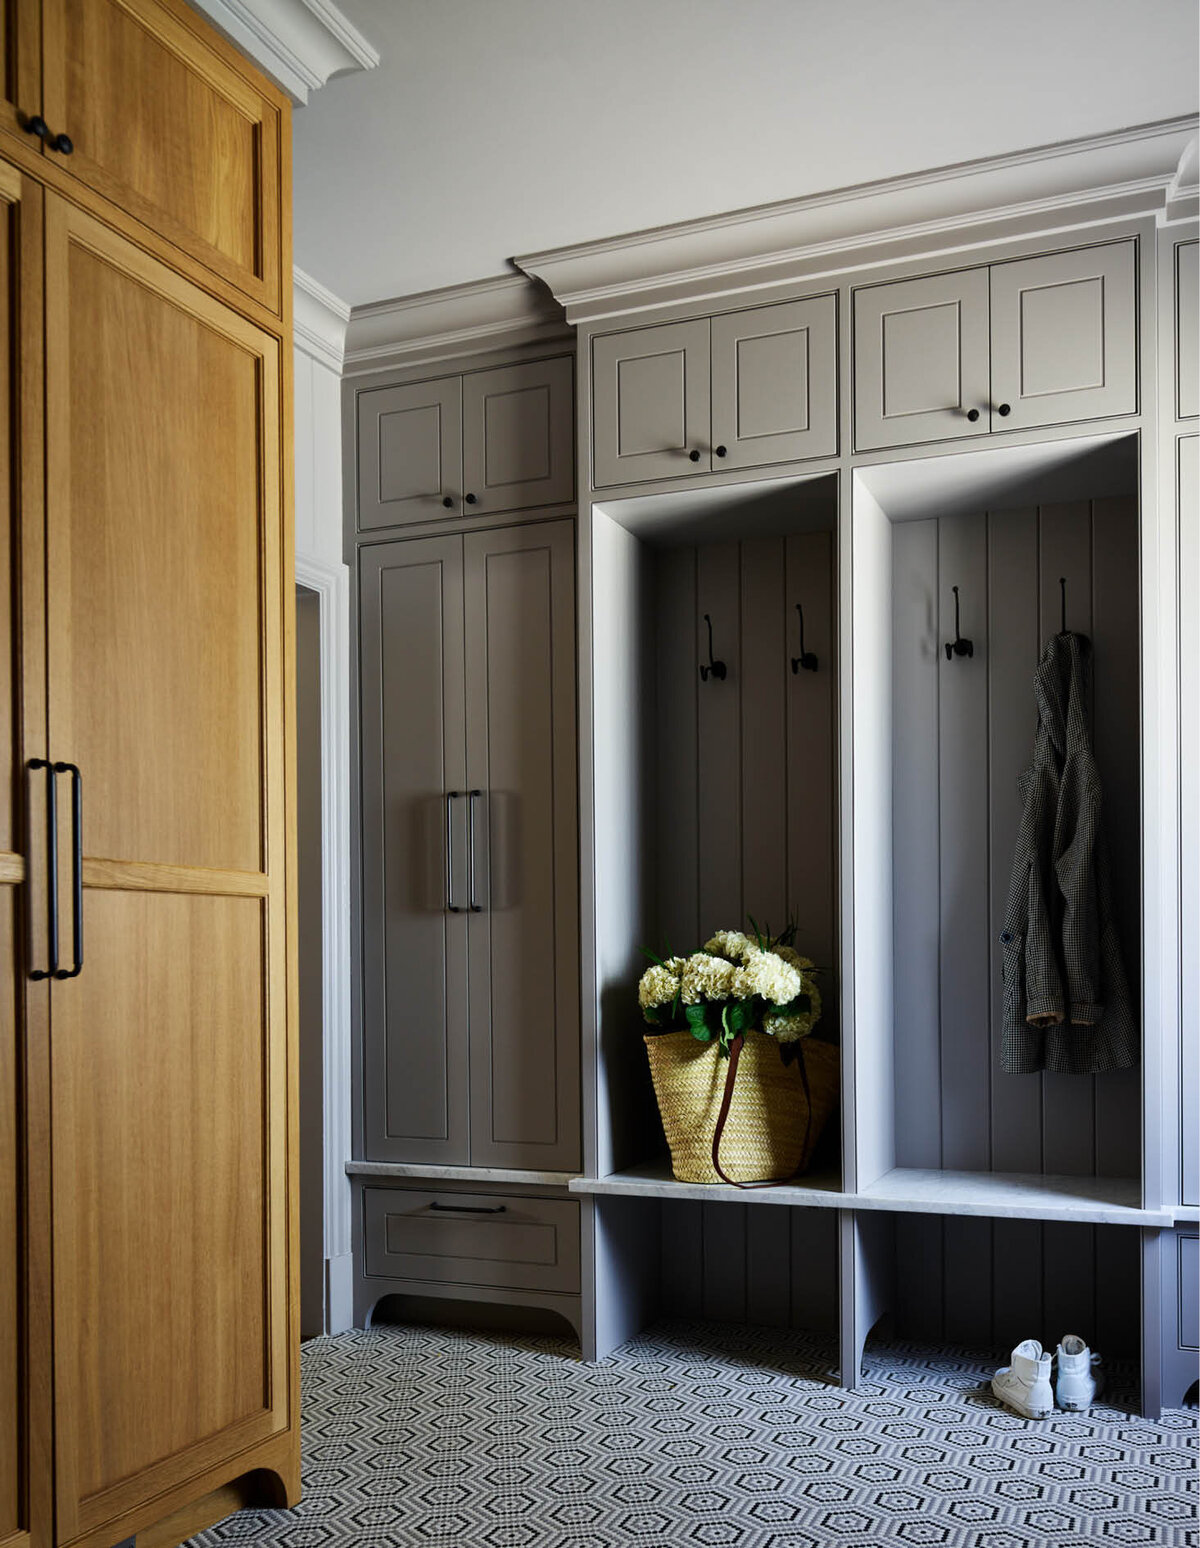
1065	544
1014	646
814	1268
769	1265
1016	1280
765	810
967	1279
1069	1280
1118	1293
1117	742
961	793
920	1281
915	680
718	594
682	1228
677	755
725	1288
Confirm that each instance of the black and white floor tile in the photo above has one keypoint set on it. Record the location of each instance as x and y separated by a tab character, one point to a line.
716	1436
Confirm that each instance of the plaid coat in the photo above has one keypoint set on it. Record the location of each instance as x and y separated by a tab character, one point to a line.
1066	997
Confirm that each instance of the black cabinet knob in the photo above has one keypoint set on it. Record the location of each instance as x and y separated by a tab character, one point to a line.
63	143
37	125
471	500
972	415
448	502
1004	410
694	456
720	451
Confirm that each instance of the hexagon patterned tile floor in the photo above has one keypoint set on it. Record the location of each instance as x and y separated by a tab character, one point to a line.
723	1437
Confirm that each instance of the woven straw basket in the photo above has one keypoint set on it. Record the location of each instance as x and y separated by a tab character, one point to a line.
768	1117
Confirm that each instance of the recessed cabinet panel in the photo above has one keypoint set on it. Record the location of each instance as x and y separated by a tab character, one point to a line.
1063	337
774	383
20	76
650	390
414	871
1187	329
519	435
921	360
409	447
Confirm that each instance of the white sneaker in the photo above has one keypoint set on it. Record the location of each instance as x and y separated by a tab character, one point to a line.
1025	1384
1079	1379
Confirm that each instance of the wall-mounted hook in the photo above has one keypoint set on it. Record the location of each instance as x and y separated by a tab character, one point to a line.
806	658
958	646
714	668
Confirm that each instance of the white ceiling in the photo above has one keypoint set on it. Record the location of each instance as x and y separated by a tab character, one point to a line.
494	127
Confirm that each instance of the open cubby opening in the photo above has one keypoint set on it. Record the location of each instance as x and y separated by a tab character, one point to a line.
715	793
939	744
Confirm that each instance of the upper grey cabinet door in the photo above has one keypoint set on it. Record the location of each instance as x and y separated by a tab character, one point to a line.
414	856
519	436
774	383
1187	330
524	884
1064	337
650	407
921	360
409	453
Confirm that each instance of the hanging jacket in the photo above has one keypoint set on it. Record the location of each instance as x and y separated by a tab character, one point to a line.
1066	997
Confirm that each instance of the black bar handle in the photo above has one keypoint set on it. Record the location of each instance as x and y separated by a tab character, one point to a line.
468	1209
451	906
472	797
76	866
52	882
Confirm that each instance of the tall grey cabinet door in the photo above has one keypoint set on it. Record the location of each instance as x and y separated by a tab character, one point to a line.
774	383
414	860
524	953
650	407
409	453
1064	338
921	360
519	436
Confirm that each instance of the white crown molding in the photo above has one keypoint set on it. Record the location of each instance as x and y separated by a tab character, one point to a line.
499	313
300	44
1102	177
1183	194
319	320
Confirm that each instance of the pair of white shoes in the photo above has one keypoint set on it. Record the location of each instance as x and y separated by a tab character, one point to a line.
1025	1385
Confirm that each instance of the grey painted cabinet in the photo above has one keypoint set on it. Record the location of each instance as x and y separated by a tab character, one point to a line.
744	389
494	440
1035	341
1187	330
470	852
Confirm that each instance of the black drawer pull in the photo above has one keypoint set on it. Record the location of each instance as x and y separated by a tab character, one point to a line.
76	866
51	870
469	1209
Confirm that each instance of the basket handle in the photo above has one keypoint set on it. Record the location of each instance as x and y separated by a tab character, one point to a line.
735	1053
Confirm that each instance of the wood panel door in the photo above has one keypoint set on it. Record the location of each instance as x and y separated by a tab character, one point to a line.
409	453
774	383
25	1502
650	403
519	594
519	436
169	623
921	360
414	856
1064	337
20	64
170	124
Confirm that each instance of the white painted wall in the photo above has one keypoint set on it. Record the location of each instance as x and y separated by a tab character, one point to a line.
320	328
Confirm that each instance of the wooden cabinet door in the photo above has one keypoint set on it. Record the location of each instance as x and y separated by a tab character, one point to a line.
24	1003
519	436
20	65
170	124
650	403
524	939
1064	337
774	383
409	453
921	360
169	596
414	851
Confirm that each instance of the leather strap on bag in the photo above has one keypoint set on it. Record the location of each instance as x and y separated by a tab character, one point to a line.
735	1053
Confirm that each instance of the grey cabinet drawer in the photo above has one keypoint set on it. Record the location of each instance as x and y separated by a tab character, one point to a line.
506	1241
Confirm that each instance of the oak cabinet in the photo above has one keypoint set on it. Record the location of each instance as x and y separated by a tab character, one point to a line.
501	439
1035	341
469	849
744	389
20	64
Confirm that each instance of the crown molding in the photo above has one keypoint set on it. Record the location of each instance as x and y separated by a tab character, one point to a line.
1079	181
319	320
300	44
500	313
1183	194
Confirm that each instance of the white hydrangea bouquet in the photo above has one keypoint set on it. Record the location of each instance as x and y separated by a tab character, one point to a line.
736	984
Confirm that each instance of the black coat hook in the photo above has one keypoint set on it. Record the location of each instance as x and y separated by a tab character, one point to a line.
958	646
714	668
805	659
